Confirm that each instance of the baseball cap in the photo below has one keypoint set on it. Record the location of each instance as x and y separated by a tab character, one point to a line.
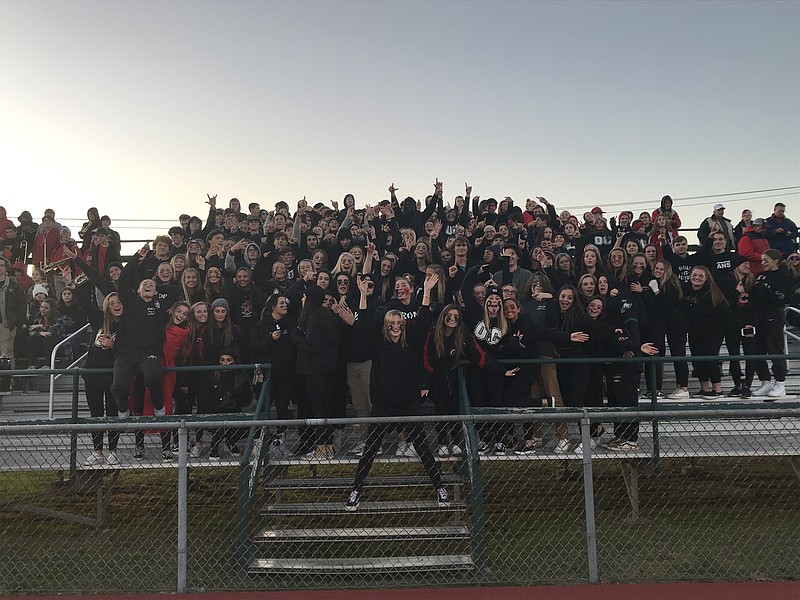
597	209
759	221
719	207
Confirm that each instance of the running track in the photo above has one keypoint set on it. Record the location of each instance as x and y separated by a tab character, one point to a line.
789	590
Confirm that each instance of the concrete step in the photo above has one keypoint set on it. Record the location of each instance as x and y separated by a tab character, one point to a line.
365	534
338	508
336	566
347	482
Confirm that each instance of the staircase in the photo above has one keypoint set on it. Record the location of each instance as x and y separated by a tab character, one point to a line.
398	528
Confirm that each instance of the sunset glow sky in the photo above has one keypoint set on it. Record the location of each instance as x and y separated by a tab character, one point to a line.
141	108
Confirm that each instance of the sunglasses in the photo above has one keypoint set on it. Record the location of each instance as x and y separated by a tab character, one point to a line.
455	318
342	282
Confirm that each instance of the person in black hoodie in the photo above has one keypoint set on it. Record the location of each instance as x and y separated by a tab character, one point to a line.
449	341
246	302
224	392
140	340
271	341
317	339
769	296
97	386
395	387
358	351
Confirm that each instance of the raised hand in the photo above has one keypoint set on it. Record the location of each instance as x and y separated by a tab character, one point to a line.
212	200
431	279
467	189
392	189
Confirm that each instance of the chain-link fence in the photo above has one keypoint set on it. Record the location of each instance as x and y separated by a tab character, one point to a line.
216	505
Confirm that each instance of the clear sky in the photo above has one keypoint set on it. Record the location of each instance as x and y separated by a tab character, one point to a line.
141	108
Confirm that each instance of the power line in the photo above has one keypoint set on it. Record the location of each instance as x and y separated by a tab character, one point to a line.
628	204
675	200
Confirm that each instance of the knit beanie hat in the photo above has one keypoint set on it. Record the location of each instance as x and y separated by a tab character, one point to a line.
39	289
220	302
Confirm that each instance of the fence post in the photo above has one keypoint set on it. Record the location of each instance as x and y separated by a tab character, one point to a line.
73	438
475	475
588	499
654	404
183	459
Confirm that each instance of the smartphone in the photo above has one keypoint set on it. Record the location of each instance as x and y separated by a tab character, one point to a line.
625	334
748	331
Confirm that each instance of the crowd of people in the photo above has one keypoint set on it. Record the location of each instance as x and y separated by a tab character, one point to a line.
378	306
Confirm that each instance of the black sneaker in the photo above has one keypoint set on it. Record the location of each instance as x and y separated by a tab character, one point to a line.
746	393
708	393
353	501
499	448
442	497
213	453
736	391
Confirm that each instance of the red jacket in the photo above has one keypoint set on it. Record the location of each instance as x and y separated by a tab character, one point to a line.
752	246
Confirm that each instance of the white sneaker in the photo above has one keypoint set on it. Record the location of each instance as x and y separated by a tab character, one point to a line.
578	449
358	449
777	390
444	451
112	458
455	450
406	450
562	447
94	459
765	389
679	394
197	450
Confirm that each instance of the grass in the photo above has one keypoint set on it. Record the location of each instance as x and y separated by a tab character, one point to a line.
726	520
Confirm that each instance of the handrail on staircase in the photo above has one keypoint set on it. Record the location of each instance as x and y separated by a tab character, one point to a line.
53	376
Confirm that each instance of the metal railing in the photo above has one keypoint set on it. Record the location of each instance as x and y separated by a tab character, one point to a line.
54	376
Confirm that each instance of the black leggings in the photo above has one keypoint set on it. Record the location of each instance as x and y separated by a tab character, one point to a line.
676	338
416	436
705	344
101	404
621	385
124	369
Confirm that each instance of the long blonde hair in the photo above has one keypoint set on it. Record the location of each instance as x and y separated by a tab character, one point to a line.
109	320
386	318
669	279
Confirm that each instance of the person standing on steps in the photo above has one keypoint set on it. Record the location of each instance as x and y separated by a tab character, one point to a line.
395	385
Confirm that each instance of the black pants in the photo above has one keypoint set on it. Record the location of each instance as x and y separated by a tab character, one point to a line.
621	385
654	333
101	404
573	380
769	340
320	392
125	368
676	338
594	394
706	344
416	436
446	401
39	346
281	392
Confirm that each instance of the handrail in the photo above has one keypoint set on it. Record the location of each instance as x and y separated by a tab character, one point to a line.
786	332
53	366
